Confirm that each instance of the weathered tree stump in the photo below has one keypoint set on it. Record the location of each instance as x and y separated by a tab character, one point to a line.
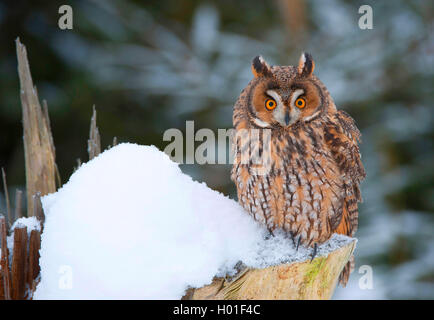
293	281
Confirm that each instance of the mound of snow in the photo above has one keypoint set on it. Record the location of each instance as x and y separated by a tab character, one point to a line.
130	225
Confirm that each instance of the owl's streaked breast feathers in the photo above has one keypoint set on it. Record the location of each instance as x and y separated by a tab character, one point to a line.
311	184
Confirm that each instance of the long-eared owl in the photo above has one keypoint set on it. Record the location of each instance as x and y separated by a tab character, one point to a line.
309	183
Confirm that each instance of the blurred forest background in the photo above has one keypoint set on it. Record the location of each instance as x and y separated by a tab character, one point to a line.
151	65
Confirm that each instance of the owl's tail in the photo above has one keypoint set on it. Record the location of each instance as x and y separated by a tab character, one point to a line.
348	226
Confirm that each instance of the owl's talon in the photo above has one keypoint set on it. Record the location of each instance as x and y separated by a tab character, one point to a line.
292	237
270	231
315	251
298	243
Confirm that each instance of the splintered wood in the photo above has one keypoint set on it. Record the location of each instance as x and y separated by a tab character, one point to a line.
39	149
17	277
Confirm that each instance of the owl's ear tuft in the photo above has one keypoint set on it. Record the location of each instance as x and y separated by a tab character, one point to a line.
260	68
306	65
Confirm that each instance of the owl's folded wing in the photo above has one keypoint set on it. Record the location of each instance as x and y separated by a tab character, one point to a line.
342	137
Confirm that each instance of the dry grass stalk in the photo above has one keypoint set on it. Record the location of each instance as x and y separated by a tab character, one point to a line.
295	281
39	149
94	142
18	204
8	203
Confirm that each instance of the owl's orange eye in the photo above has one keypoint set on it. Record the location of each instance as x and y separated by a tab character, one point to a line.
300	103
270	104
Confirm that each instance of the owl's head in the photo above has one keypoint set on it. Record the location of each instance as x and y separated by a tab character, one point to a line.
281	96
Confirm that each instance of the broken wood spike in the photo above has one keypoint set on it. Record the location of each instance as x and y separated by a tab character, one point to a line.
39	152
5	286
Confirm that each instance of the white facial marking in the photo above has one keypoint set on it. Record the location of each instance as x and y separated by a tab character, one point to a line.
312	116
294	112
295	96
260	123
279	111
275	96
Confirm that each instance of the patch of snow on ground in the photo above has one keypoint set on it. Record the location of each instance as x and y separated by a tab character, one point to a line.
130	225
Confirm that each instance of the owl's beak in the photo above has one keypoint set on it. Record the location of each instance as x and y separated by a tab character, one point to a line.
287	117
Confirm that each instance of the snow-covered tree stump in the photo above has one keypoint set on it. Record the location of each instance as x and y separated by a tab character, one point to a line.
306	280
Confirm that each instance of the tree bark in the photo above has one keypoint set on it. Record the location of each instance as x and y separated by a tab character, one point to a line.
19	263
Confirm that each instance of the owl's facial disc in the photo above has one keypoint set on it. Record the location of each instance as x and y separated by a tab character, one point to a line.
283	96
